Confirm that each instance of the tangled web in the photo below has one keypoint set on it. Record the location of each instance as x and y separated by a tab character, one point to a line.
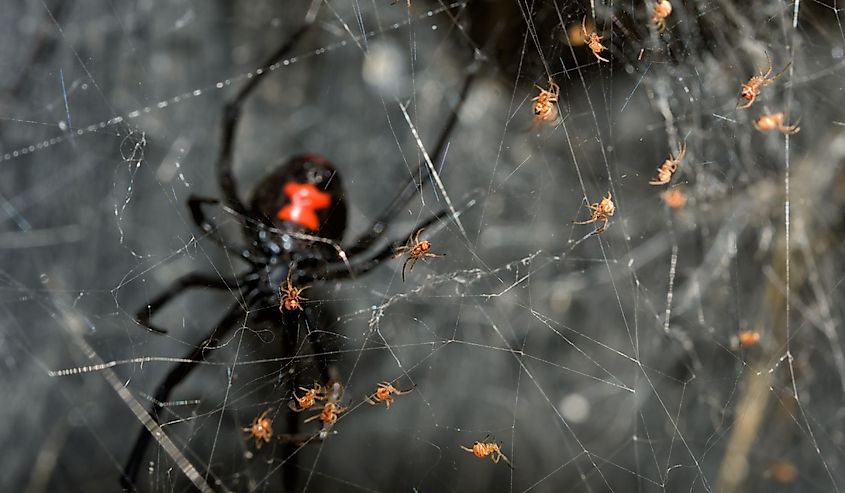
693	345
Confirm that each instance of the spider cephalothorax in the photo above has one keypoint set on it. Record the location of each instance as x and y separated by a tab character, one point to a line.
301	198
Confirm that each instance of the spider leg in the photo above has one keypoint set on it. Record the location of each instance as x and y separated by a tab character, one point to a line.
507	461
290	336
195	204
405	265
748	104
228	185
229	321
338	270
292	406
769	71
414	183
777	76
232	113
402	392
180	285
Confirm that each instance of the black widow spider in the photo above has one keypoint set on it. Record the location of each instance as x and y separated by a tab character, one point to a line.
294	224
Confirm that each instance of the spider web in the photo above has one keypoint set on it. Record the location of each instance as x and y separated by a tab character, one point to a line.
603	362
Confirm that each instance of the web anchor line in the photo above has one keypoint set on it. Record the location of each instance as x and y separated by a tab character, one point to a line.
165	103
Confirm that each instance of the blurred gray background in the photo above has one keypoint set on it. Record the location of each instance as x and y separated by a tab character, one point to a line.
601	363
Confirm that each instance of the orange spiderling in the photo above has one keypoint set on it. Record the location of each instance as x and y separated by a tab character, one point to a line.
593	41
261	429
601	211
748	338
328	415
674	198
384	394
307	401
291	296
751	89
417	250
669	166
662	10
775	121
485	449
782	471
545	110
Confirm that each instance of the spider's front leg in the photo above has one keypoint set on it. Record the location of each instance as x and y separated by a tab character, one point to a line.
603	226
359	266
193	280
414	184
413	262
231	118
748	104
195	204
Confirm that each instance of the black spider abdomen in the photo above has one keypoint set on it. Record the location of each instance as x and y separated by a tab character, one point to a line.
306	194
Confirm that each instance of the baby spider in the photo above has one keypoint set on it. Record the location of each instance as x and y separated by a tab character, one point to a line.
483	449
601	211
545	109
307	401
291	296
782	471
752	88
661	11
674	198
593	41
383	394
774	121
261	429
417	250
328	415
669	166
746	339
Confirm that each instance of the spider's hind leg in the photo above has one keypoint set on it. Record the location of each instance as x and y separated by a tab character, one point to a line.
175	377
